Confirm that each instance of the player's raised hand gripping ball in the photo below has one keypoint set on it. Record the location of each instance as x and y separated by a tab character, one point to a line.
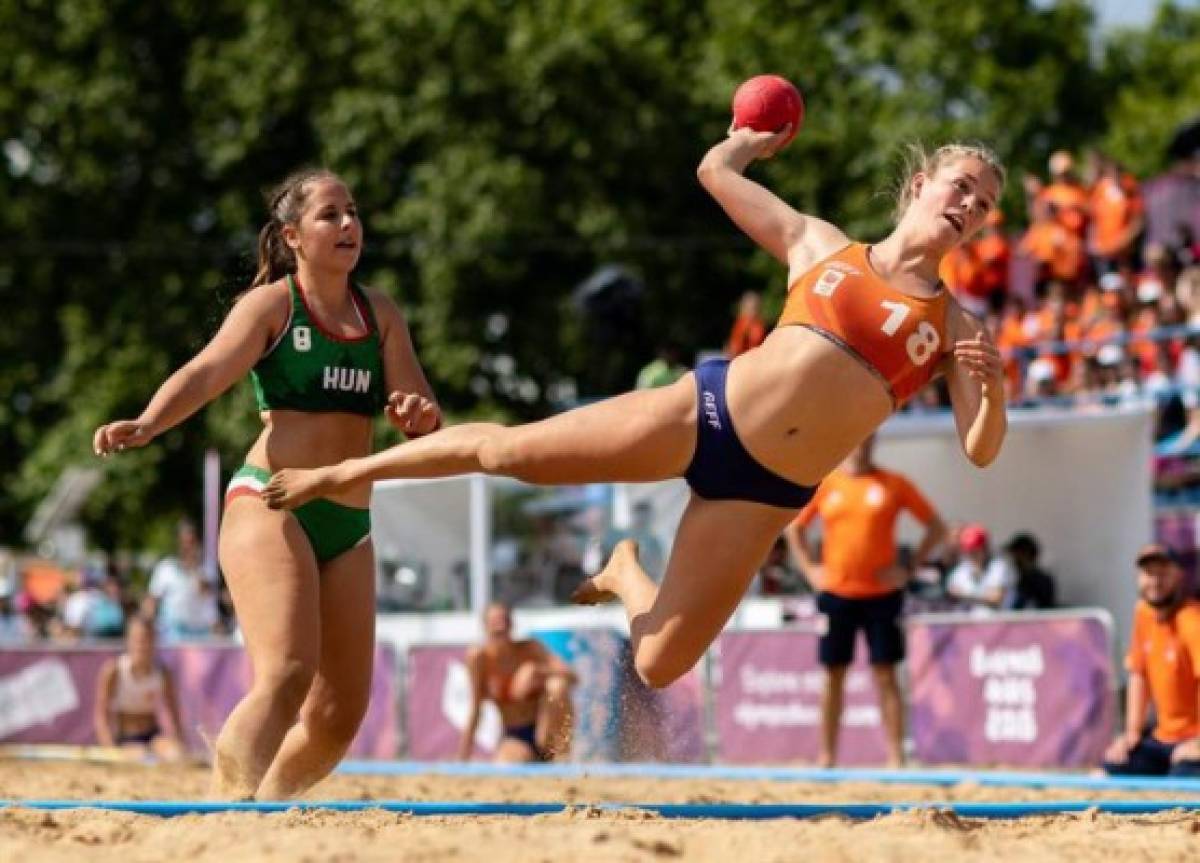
767	103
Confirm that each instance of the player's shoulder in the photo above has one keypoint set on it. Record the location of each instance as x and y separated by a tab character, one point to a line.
387	311
475	655
528	645
268	299
819	242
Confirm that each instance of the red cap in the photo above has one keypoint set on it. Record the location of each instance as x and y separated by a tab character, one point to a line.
973	537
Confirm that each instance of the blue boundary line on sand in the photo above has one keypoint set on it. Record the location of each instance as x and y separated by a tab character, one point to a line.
728	811
999	779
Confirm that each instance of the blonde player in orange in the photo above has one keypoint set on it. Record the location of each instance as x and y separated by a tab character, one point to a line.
860	583
865	327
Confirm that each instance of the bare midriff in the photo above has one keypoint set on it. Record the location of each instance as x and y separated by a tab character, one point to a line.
800	403
135	724
302	439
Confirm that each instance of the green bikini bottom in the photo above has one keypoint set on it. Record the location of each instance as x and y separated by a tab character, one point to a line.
331	528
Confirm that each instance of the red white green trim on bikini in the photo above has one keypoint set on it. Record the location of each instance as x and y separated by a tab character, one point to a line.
248	480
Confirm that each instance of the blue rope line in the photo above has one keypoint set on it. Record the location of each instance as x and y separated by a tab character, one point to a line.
943	778
729	811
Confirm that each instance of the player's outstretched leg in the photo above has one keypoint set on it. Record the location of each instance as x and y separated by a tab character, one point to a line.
641	436
718	549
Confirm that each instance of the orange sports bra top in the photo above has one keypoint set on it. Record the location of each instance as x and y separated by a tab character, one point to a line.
897	337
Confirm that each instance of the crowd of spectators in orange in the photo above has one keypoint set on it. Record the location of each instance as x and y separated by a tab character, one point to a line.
1097	296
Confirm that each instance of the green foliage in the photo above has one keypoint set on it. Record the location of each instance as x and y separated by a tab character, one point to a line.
1151	76
502	152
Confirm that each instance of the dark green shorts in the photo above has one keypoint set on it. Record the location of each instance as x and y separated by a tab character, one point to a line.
331	528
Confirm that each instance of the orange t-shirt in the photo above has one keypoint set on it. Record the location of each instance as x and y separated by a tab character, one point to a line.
859	513
962	272
1167	654
994	254
1070	202
898	337
1009	340
1060	250
1115	204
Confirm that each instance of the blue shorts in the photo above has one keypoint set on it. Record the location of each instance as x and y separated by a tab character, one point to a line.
527	734
145	738
721	468
881	619
1152	757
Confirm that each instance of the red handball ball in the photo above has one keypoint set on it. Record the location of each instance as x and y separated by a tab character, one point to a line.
767	103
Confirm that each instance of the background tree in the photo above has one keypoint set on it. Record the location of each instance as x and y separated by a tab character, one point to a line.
502	152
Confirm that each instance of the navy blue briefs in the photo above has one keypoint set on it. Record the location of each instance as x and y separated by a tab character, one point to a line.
721	469
527	734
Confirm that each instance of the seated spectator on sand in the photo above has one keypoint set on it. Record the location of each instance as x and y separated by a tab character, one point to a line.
1033	586
1164	670
979	580
529	685
132	691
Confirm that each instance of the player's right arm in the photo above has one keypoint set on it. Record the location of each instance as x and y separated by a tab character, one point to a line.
103	704
792	238
475	669
800	548
250	327
1137	701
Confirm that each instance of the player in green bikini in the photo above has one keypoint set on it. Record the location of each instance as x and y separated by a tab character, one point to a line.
325	356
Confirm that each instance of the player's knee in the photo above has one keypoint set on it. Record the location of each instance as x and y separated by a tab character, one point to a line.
885	676
557	686
288	682
338	720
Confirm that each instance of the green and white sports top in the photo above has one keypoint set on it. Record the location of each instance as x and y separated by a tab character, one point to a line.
308	368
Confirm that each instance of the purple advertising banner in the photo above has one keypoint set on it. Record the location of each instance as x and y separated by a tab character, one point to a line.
1035	692
47	695
768	701
616	717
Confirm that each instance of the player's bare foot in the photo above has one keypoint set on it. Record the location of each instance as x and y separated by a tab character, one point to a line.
290	488
605	585
230	780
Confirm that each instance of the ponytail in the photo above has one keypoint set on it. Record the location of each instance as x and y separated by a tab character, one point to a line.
285	205
275	258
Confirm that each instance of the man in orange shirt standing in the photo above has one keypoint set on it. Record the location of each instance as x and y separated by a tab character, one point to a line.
860	583
1164	668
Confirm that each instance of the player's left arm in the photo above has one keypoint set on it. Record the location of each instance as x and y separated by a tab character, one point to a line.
171	696
554	666
411	405
923	511
1188	626
975	376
